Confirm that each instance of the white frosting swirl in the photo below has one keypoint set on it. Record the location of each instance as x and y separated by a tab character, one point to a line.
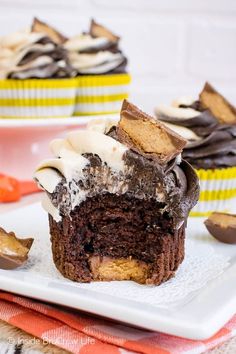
108	149
184	100
102	125
48	178
182	113
20	39
186	133
85	42
69	161
90	55
18	46
98	63
50	208
15	46
87	55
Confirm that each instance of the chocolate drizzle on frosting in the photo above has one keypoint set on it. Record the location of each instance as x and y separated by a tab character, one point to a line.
91	163
204	119
96	52
214	143
44	52
35	53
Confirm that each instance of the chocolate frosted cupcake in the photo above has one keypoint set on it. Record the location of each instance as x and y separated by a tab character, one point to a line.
209	125
118	202
45	74
102	79
35	74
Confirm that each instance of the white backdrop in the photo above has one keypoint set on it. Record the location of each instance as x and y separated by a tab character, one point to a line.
173	45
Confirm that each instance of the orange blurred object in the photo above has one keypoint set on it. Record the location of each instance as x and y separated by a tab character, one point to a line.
11	189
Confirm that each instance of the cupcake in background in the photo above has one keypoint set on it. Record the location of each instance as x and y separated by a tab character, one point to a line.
35	74
209	125
102	79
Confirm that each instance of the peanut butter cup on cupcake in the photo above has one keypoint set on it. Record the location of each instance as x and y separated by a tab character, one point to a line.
209	125
118	201
101	70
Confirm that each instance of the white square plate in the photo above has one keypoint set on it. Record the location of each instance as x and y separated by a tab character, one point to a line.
195	304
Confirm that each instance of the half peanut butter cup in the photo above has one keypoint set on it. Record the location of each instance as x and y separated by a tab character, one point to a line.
147	136
13	251
211	99
222	226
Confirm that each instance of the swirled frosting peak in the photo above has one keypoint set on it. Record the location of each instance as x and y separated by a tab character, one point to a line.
43	52
208	124
34	53
96	52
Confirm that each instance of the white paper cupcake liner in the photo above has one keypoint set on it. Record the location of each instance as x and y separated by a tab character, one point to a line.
217	191
37	98
101	94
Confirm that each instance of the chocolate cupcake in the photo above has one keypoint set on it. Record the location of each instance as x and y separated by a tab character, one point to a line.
36	76
101	68
118	202
209	125
45	74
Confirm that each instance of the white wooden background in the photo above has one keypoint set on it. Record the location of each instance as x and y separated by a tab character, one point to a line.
173	45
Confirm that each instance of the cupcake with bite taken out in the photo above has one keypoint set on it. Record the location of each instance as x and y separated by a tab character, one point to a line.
209	125
118	200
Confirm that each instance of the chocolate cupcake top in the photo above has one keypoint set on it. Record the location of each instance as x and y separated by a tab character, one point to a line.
208	124
140	157
96	52
43	52
34	53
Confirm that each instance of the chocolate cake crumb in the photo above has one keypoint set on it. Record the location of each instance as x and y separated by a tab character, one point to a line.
118	227
120	208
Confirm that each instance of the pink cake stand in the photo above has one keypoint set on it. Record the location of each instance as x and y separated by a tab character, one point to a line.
25	142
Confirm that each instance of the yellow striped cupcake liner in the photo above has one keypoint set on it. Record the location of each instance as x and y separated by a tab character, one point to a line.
217	191
37	98
101	94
